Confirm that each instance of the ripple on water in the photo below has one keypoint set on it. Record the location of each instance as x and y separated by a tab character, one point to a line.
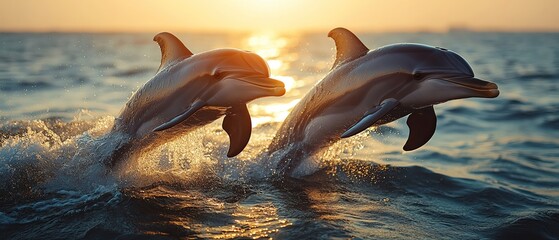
56	209
459	125
25	85
460	110
133	72
202	212
47	191
550	123
530	143
441	157
536	75
522	174
539	225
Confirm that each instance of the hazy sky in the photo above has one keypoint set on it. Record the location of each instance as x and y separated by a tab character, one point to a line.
277	15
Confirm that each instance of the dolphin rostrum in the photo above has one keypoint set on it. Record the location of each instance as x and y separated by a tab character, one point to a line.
191	90
368	88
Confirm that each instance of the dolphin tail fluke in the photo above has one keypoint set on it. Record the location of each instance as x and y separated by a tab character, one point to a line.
181	117
371	117
238	126
422	124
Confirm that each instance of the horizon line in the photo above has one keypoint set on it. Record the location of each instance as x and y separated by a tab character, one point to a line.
302	31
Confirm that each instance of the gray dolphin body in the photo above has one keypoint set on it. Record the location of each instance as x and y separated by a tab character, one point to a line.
192	90
369	88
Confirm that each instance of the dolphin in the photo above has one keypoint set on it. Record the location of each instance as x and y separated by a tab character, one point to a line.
368	88
192	90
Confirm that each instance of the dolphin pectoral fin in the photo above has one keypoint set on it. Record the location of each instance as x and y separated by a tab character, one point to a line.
238	126
422	124
371	117
181	117
172	49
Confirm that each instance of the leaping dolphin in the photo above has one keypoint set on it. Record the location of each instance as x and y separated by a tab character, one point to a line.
191	90
369	88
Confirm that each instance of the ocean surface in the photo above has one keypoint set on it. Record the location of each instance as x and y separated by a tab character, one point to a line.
491	171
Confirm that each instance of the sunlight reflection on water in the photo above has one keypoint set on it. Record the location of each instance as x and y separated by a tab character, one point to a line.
271	47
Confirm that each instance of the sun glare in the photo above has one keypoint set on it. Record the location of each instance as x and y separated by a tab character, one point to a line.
276	112
275	15
272	47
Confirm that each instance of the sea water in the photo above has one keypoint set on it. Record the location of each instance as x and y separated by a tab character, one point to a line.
490	171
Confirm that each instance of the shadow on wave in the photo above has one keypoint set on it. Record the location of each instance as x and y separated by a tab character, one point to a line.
539	225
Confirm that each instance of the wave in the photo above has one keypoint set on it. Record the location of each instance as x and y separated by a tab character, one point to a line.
460	125
539	225
551	123
33	152
38	157
61	208
25	85
133	72
529	143
537	75
520	112
52	175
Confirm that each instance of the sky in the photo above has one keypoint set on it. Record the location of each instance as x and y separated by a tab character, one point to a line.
277	15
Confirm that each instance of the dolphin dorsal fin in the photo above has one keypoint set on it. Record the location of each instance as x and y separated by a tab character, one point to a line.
172	49
348	46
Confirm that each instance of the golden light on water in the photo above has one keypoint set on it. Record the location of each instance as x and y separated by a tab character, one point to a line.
287	80
267	45
272	47
251	222
276	112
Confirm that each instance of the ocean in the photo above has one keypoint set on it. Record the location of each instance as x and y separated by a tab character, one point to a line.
491	171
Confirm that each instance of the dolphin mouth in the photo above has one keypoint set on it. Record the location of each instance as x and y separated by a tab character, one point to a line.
276	87
484	88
